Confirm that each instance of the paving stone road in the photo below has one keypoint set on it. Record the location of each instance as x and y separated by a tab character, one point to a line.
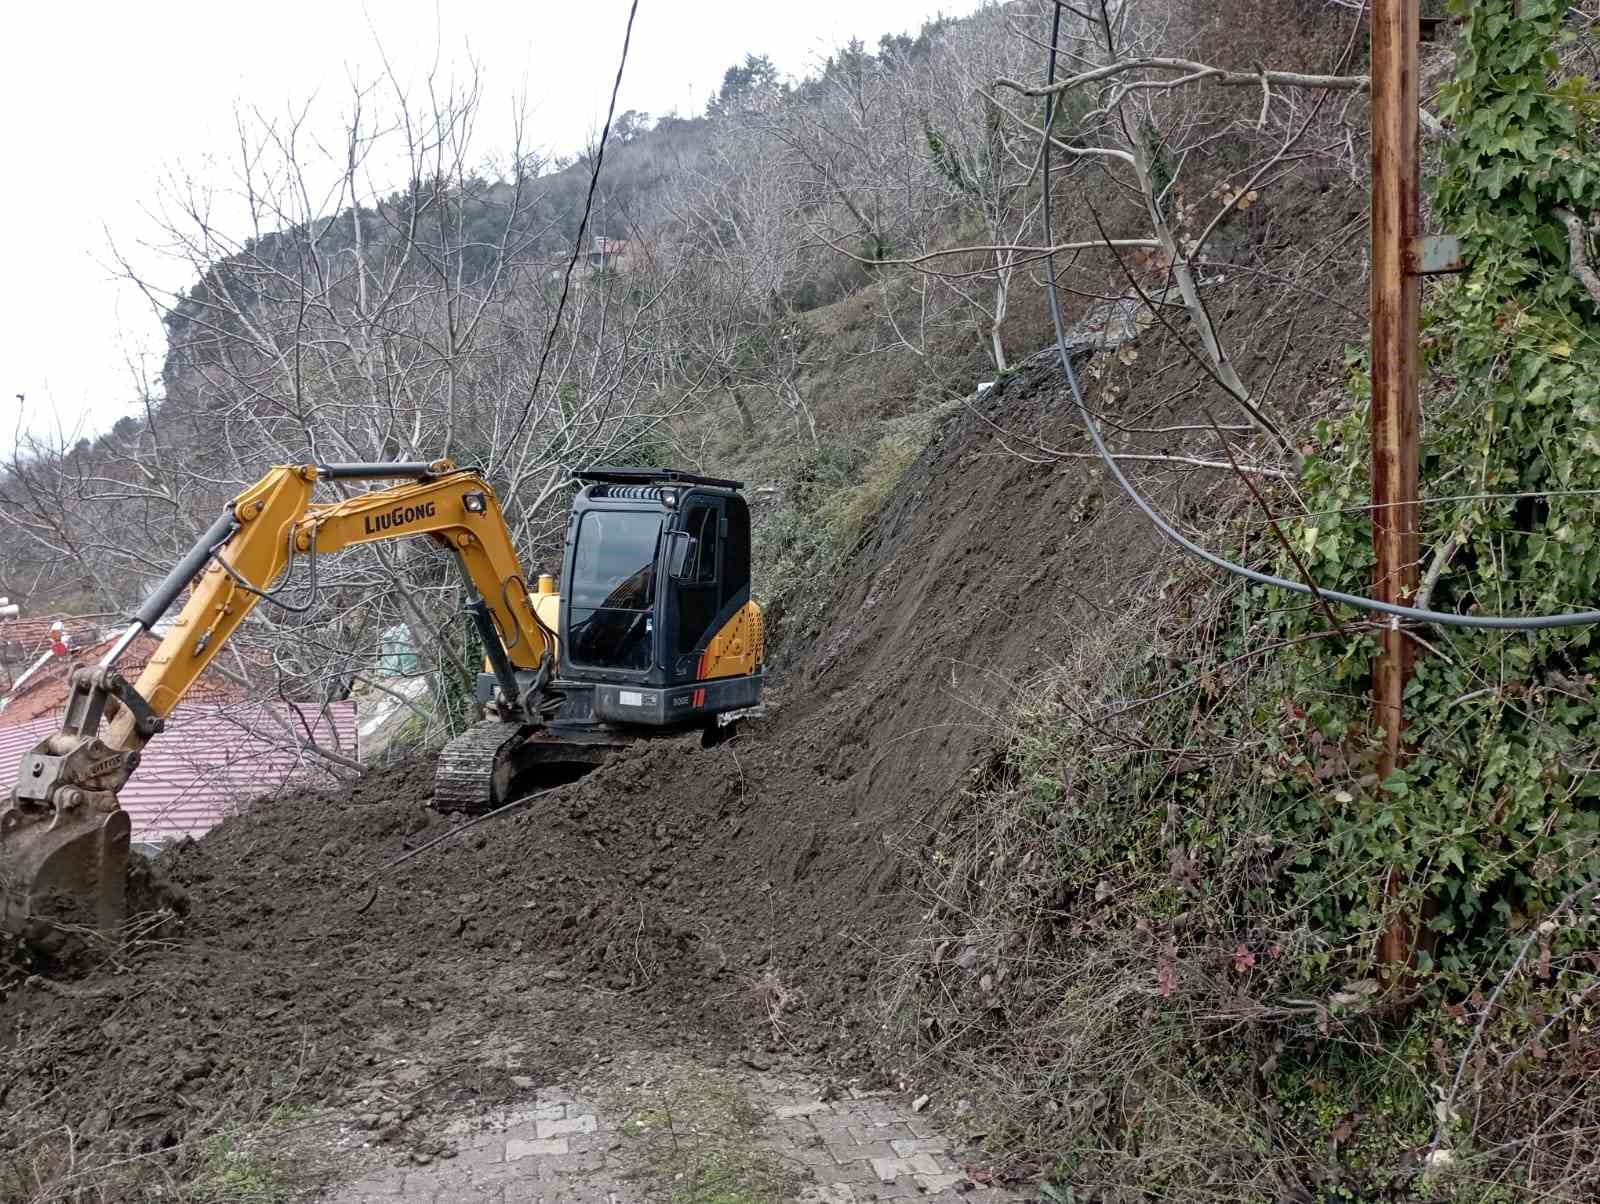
613	1148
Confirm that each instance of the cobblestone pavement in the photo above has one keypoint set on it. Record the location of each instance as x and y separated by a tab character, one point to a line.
691	1135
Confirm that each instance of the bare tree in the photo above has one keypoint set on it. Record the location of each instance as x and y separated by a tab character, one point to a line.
988	168
1139	117
388	298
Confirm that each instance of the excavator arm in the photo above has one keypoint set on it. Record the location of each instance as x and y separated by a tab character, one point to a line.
274	522
63	835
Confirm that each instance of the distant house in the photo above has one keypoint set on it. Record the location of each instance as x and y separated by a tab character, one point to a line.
610	253
25	643
43	690
211	759
222	746
605	254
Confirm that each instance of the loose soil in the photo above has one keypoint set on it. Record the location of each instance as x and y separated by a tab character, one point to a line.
734	900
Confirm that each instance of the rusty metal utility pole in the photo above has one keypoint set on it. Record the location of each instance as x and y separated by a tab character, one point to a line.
1395	251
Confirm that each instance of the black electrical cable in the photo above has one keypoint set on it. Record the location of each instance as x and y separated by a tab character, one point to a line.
524	801
583	225
1444	618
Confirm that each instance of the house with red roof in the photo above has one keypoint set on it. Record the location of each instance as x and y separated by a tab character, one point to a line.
222	746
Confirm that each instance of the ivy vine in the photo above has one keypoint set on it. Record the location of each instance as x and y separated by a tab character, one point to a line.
1496	813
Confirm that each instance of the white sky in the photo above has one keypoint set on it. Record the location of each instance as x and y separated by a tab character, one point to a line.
102	100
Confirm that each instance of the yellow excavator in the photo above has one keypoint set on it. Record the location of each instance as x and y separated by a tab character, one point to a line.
653	630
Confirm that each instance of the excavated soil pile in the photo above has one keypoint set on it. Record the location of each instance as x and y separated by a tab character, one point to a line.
306	967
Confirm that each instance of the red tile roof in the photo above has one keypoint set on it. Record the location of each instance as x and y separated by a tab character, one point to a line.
23	641
45	693
210	759
33	634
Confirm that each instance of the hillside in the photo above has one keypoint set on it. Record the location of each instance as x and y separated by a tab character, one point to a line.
665	889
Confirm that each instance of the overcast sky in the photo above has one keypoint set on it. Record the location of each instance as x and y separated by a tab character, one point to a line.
103	100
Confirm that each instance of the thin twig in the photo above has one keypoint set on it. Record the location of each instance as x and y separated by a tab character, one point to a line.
1272	522
1446	1107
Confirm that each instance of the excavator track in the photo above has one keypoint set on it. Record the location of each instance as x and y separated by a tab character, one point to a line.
465	779
493	763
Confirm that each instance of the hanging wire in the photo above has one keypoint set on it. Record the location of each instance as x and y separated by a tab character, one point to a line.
583	225
270	596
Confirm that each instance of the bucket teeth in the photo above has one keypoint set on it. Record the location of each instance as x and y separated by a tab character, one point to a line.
64	842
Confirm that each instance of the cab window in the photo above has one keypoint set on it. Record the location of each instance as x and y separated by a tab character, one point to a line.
697	595
613	589
702	524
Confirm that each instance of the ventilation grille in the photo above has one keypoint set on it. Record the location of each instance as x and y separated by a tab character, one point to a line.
628	493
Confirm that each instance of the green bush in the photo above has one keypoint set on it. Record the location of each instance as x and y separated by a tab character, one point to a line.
834	494
1493	820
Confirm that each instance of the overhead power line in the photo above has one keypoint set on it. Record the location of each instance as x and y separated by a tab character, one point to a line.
1444	618
583	226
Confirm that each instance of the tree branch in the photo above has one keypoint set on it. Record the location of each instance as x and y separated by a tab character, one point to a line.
1577	244
1032	253
1192	73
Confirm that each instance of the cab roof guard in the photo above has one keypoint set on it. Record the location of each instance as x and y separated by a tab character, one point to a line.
649	476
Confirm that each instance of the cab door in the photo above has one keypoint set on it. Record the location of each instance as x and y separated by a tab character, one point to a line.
697	592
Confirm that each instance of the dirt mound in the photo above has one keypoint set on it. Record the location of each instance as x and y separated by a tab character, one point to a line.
603	881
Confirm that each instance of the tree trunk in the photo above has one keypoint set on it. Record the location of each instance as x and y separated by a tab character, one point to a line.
745	420
1002	294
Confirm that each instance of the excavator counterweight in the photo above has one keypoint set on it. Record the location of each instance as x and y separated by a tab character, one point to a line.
653	603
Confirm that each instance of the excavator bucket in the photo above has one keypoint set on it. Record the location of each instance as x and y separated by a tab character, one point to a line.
63	854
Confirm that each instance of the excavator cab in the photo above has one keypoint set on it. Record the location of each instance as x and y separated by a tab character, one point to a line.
653	630
657	625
